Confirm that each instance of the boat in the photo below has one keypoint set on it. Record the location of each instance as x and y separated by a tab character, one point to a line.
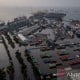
49	15
17	23
55	15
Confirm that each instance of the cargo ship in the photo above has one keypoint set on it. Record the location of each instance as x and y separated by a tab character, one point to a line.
20	21
49	15
17	23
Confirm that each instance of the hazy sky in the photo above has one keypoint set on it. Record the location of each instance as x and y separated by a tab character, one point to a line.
40	3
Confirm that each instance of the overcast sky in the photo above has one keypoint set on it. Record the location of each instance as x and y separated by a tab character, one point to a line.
40	3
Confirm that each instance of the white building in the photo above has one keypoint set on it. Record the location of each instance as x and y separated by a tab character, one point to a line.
23	39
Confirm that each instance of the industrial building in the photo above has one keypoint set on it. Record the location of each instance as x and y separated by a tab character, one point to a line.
23	39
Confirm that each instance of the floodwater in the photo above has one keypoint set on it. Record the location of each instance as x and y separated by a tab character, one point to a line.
4	62
9	13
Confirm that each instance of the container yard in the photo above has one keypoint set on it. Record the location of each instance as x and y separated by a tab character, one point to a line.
41	47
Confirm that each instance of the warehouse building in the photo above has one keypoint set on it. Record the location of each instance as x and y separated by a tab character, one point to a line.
22	39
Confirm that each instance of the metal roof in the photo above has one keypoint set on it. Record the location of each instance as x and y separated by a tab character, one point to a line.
22	37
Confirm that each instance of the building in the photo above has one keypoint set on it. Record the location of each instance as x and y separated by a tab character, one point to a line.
22	39
29	31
